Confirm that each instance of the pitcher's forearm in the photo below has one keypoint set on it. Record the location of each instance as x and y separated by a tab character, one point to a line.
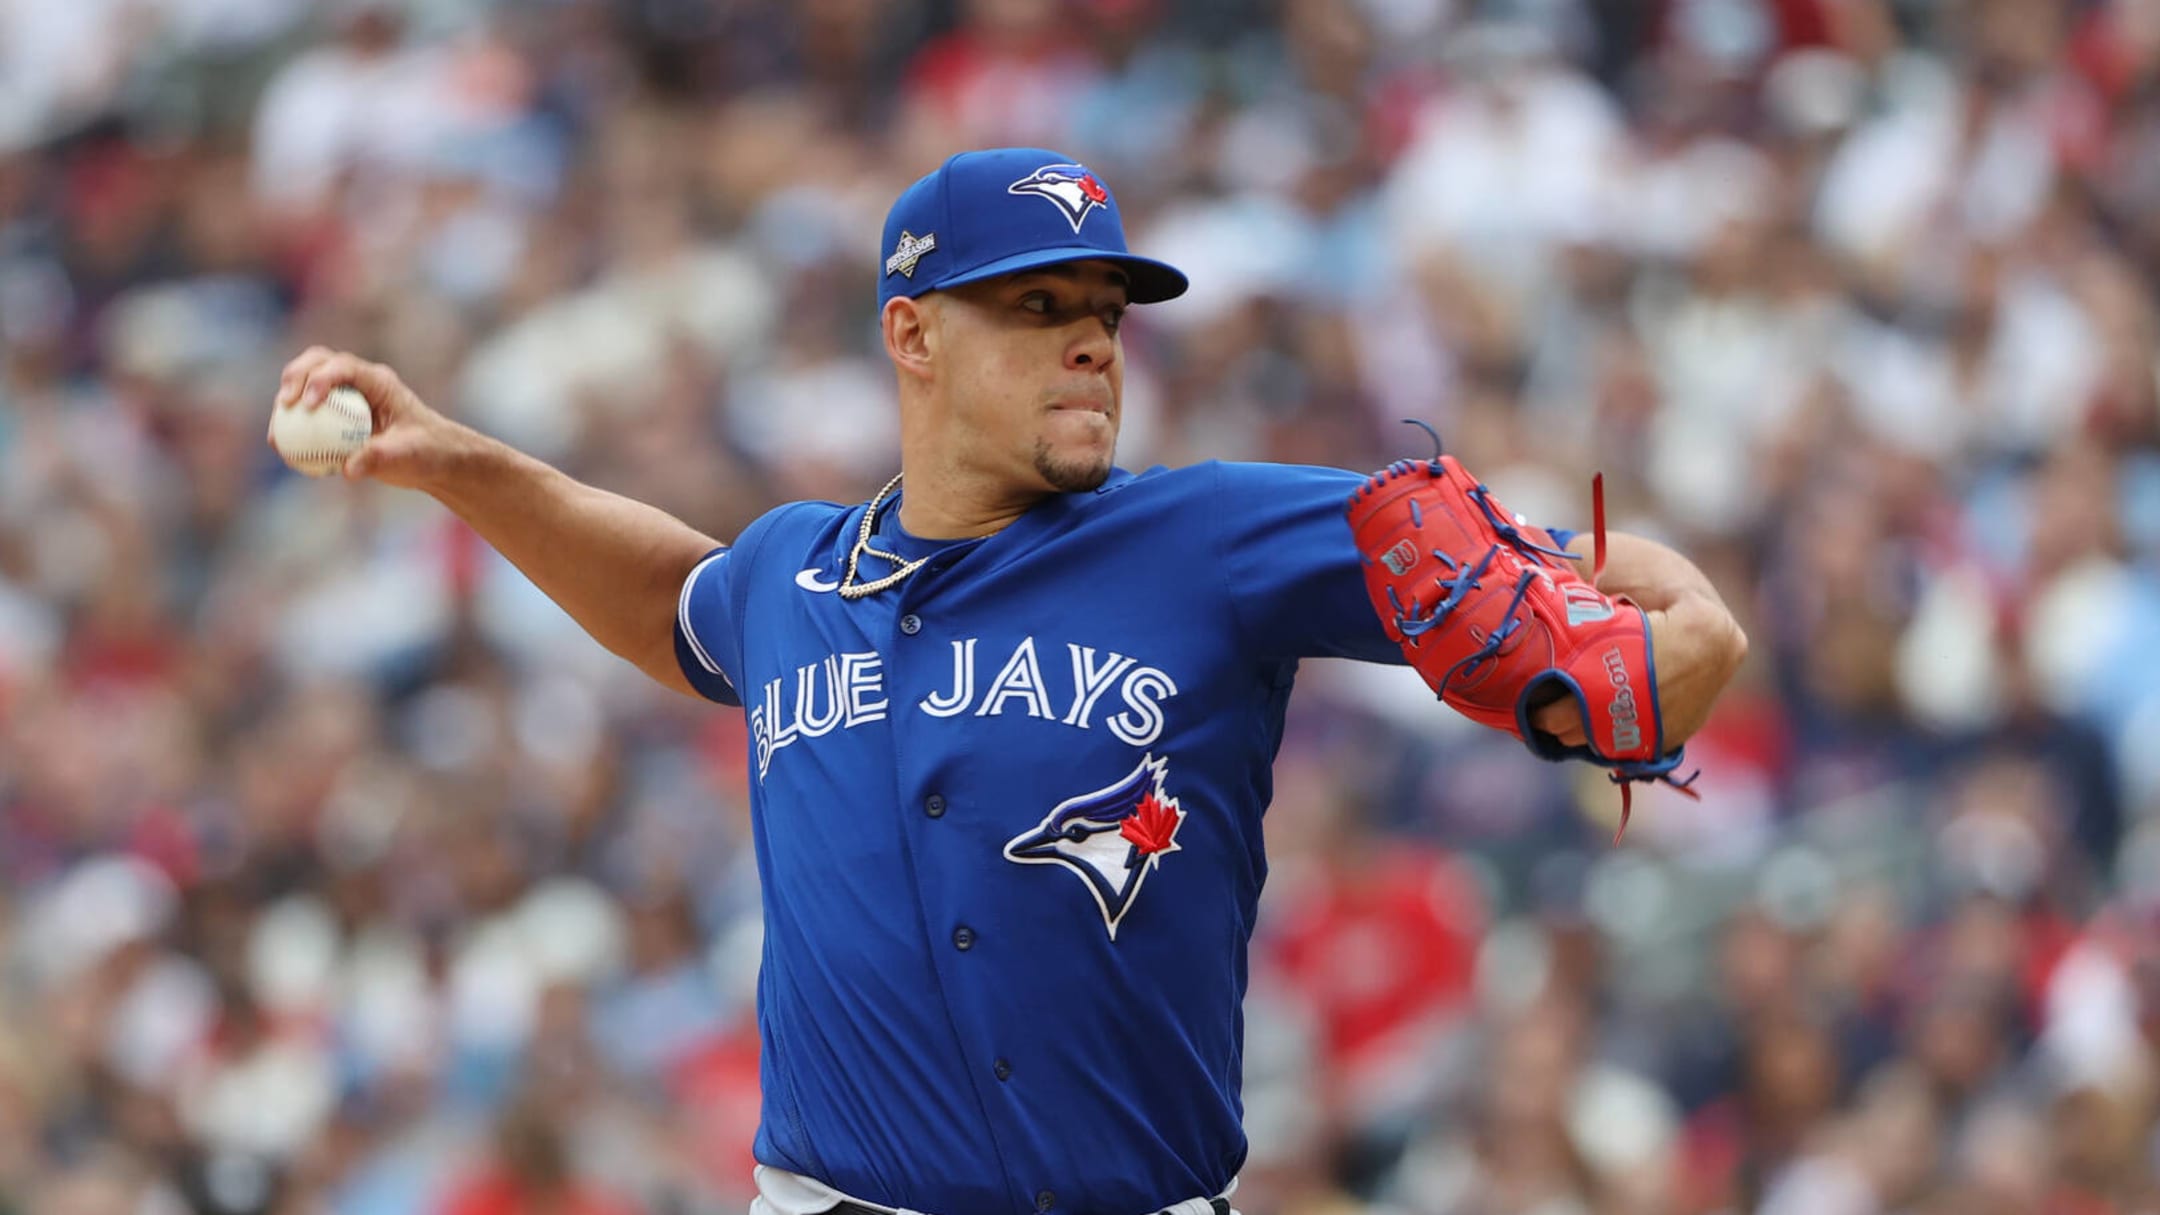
1698	644
614	564
1645	571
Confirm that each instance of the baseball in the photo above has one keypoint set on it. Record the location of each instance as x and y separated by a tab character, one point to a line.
318	441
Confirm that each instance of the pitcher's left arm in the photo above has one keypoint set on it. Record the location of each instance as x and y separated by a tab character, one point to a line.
1697	644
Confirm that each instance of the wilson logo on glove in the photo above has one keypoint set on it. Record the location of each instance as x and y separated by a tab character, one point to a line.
1627	735
1507	625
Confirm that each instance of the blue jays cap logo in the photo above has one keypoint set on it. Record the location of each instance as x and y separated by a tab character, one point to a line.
1071	188
1110	839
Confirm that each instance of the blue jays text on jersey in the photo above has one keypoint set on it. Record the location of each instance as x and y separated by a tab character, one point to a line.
846	690
1008	824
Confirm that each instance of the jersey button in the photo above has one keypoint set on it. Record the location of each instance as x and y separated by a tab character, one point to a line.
1002	1069
934	805
911	624
1045	1200
963	938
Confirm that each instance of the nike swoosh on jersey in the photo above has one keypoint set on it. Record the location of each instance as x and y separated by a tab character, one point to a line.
810	581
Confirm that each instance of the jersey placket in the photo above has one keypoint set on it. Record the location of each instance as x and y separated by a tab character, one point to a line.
927	788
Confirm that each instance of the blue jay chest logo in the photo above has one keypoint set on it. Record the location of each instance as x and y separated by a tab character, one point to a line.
1111	839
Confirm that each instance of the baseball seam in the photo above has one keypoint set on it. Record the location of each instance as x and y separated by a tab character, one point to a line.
358	427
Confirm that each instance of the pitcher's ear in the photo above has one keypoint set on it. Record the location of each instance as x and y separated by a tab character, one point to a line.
911	336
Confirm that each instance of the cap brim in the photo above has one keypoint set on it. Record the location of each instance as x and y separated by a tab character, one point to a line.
1151	281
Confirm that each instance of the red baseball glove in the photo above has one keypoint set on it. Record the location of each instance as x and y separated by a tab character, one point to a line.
1493	614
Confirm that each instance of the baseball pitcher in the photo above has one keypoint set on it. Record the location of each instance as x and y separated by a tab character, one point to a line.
1012	718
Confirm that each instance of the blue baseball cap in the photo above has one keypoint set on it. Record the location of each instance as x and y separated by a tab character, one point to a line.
982	214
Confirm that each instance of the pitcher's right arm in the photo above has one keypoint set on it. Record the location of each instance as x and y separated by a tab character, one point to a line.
614	564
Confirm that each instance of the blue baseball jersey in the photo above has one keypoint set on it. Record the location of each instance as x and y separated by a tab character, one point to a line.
1008	822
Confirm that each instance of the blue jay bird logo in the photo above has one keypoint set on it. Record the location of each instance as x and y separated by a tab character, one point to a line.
1111	838
1075	191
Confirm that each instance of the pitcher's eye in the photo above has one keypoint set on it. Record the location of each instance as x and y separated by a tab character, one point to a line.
1037	302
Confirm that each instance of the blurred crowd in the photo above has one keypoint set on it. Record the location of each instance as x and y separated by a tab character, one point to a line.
339	873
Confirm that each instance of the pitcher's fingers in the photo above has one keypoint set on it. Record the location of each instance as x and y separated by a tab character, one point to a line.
295	374
377	384
1561	720
337	369
380	385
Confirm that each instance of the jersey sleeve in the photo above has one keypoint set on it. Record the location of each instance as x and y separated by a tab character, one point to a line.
704	626
1294	583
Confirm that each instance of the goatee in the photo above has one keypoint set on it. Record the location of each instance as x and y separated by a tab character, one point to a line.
1071	476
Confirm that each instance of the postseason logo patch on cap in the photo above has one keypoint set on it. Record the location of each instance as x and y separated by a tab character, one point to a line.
909	251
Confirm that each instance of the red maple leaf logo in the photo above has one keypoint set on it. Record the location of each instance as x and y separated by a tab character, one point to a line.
1151	826
1094	190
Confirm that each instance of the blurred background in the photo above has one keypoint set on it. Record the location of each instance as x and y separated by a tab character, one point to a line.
339	873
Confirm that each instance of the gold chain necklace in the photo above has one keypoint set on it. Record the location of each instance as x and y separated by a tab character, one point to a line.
851	589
